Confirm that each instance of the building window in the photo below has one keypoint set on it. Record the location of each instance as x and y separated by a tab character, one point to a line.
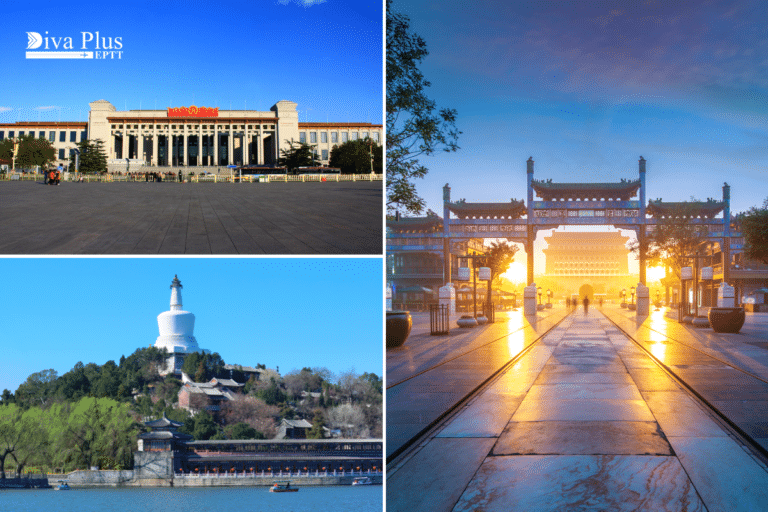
250	127
11	133
2	135
365	135
83	135
72	136
334	137
71	152
41	135
114	126
121	127
353	136
375	136
62	136
313	137
173	127
344	137
325	154
303	137
61	154
51	136
324	137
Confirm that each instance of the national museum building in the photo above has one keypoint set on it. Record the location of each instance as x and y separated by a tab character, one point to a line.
194	136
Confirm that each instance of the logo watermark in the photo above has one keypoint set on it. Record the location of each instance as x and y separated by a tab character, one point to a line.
92	46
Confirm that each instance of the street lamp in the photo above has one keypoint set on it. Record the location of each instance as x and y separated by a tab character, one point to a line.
632	291
539	290
549	298
658	300
624	298
514	300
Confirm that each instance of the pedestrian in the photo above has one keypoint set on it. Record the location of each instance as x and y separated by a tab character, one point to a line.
586	305
45	177
600	302
51	177
568	302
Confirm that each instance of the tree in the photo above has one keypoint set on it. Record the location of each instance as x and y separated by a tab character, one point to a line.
414	125
253	411
299	154
354	157
242	431
674	239
93	157
318	422
350	419
37	389
754	226
500	257
205	427
31	152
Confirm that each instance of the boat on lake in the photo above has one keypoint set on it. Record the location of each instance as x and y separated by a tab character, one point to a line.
362	480
63	486
283	487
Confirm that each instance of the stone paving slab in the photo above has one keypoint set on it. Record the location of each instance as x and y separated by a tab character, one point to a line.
572	446
205	218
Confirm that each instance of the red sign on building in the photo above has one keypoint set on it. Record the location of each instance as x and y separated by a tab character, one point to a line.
193	111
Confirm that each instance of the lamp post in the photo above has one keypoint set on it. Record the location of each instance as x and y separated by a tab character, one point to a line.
514	301
540	306
632	292
658	301
623	297
549	298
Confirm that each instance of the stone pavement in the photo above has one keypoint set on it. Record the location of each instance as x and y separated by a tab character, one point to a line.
728	371
429	375
584	420
191	218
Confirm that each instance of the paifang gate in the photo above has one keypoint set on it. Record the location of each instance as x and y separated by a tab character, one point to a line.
621	204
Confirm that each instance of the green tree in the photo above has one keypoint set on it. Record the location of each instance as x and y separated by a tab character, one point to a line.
414	125
10	434
754	226
675	238
242	430
37	389
271	394
298	154
205	426
318	422
354	157
31	152
93	157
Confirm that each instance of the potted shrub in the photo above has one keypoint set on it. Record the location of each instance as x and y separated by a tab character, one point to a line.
398	327
726	320
467	321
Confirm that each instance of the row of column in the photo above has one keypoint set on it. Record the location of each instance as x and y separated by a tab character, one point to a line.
258	139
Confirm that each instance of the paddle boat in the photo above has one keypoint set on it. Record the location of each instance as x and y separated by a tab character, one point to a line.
283	487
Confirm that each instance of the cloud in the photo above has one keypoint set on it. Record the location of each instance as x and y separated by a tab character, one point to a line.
5	109
303	3
50	107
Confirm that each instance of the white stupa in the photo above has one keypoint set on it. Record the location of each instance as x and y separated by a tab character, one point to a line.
177	331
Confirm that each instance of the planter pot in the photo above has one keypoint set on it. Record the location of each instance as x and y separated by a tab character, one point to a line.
539	307
623	305
726	319
632	307
482	320
398	327
687	319
466	322
548	306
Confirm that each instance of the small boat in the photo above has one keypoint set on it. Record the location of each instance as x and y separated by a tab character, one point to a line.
362	480
63	486
283	487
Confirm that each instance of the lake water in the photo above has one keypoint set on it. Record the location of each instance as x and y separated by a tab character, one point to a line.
368	498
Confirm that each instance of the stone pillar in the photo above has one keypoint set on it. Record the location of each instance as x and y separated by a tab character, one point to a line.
529	299
125	143
186	145
531	233
446	235
246	145
215	145
199	143
231	146
643	300
259	148
154	145
726	247
726	298
389	297
447	295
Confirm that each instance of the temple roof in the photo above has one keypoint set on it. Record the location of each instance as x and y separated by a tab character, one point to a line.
512	209
705	209
623	189
429	224
163	423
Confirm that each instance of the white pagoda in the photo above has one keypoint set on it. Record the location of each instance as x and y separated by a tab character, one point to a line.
176	332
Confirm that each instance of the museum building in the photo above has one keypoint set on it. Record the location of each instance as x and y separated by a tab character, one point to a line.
194	136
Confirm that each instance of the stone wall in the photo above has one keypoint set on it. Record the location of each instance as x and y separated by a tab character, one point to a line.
153	465
105	478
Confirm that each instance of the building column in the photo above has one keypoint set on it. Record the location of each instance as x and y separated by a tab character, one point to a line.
230	146
215	145
259	148
125	143
186	145
199	143
169	148
246	145
154	145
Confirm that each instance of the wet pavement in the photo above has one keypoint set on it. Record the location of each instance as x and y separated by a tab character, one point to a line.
191	218
583	420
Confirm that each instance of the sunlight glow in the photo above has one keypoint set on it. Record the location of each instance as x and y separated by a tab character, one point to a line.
654	274
516	273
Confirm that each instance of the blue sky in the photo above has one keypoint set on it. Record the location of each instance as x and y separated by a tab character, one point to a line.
281	312
325	55
586	88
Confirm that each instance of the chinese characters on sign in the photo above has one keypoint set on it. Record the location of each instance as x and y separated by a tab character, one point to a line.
193	111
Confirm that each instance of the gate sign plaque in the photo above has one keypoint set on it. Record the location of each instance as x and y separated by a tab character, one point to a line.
686	273
484	274
463	273
193	111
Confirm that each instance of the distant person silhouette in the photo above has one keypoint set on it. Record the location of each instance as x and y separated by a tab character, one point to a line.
586	305
568	302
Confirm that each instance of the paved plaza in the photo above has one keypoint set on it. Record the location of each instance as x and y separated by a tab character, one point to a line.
572	413
191	218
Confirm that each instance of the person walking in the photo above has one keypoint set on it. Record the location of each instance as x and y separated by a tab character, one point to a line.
586	305
568	302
